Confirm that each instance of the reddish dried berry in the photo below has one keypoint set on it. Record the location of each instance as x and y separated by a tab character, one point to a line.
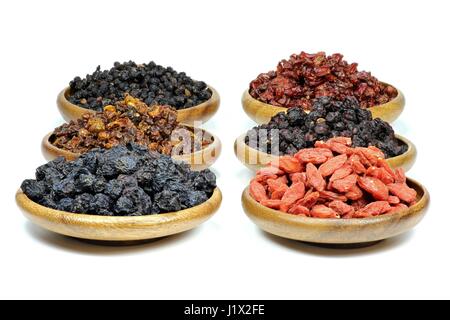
322	211
375	187
315	179
288	164
402	191
293	194
333	164
314	156
299	211
342	208
355	193
373	209
346	184
257	191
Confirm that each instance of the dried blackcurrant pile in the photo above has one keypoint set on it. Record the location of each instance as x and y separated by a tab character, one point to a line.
127	180
298	81
130	120
287	133
150	83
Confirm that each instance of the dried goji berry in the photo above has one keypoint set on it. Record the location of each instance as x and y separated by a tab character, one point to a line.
298	177
393	200
373	209
299	210
257	191
331	196
355	193
355	163
382	163
402	191
345	185
342	140
339	148
341	173
375	187
309	200
322	211
273	204
288	164
269	171
263	178
322	144
380	173
400	175
341	208
333	164
315	156
293	194
315	179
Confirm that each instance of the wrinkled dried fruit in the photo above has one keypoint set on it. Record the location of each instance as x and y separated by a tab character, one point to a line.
375	187
402	191
314	178
257	191
127	180
151	83
358	184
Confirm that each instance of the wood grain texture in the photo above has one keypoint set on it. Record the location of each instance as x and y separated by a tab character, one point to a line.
198	161
337	231
255	159
261	112
103	228
194	115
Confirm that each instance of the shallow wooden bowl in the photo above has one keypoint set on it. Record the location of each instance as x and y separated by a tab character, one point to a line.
118	229
261	112
337	232
200	113
255	159
198	161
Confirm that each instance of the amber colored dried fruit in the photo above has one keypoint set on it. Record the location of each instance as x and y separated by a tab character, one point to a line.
257	191
402	191
324	212
375	187
333	164
315	179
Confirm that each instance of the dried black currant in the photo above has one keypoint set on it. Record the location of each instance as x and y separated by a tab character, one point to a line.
127	180
287	133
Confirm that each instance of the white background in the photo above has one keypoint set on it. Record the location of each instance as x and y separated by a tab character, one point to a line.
44	44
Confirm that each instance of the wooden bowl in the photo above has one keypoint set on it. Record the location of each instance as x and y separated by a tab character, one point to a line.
118	229
255	159
337	232
198	161
261	112
200	113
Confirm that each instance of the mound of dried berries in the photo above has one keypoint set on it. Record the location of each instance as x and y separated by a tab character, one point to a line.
304	77
287	133
151	83
333	180
127	121
123	181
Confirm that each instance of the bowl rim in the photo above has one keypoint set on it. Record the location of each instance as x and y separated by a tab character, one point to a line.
400	96
386	218
24	203
215	98
213	146
411	147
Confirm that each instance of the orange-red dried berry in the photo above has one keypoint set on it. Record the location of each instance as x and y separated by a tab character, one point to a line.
333	164
315	179
402	191
257	191
324	212
375	187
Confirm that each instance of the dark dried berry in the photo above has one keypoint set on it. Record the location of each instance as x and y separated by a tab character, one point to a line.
148	82
127	180
328	118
